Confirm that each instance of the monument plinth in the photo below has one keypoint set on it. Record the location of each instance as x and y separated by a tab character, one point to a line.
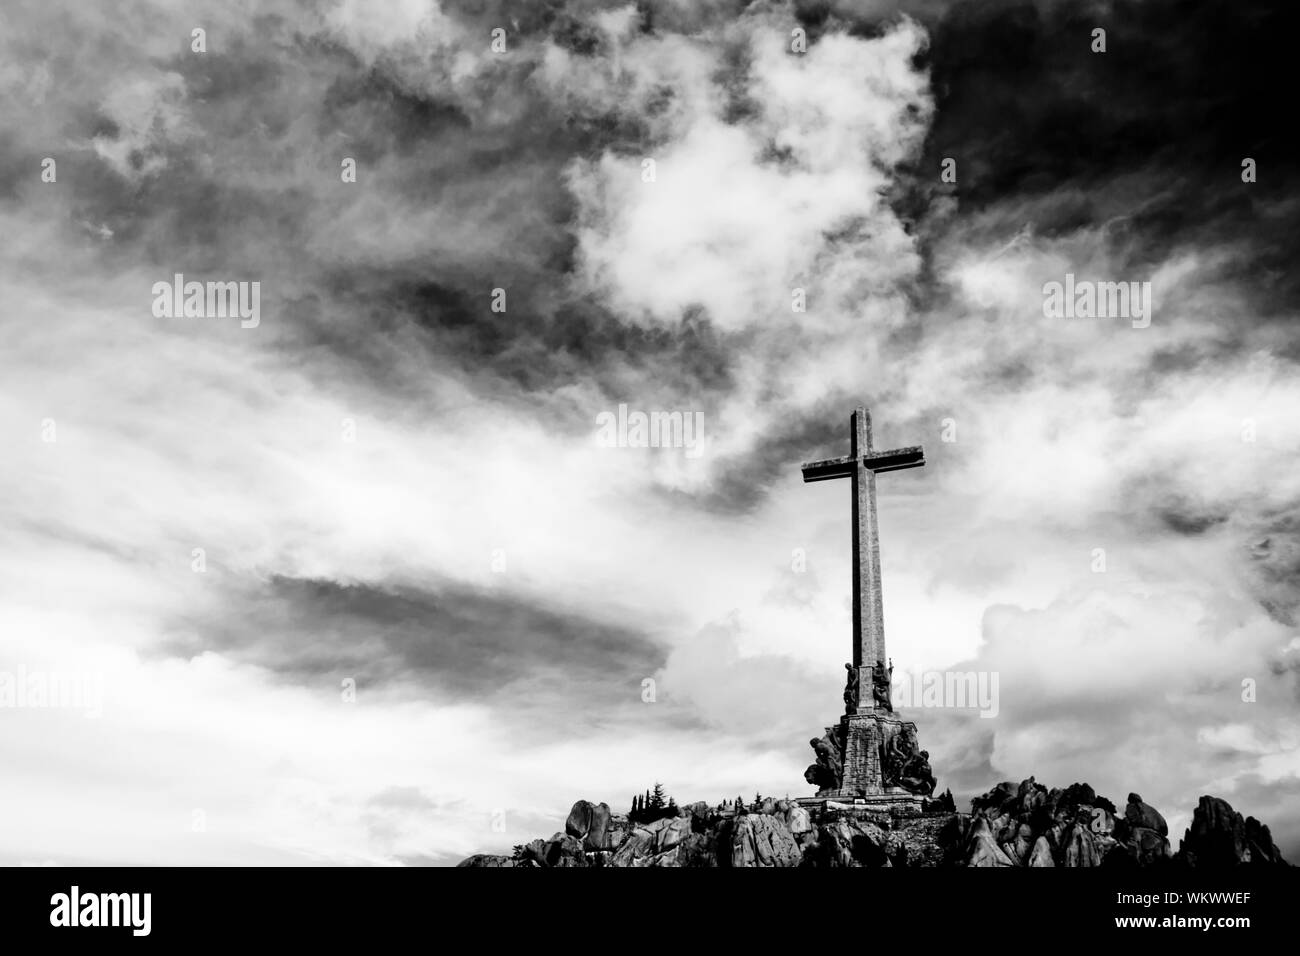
871	757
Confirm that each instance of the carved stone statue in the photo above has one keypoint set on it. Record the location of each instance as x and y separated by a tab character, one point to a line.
851	690
896	755
828	772
917	777
881	680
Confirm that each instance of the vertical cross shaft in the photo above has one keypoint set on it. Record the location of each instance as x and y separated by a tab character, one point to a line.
868	615
869	677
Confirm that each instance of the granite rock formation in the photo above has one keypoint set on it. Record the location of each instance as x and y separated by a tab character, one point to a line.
1025	825
1219	837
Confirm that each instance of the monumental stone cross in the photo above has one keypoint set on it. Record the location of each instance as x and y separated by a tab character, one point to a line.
869	675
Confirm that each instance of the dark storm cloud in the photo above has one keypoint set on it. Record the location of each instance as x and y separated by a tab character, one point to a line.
1154	130
537	345
249	185
461	190
454	641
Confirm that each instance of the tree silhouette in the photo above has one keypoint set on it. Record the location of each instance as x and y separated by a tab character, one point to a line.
654	805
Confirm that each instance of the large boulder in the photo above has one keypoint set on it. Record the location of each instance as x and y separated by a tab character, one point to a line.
845	841
589	822
616	831
1103	821
564	849
640	845
1080	848
759	839
672	832
1041	855
1145	846
1139	814
1030	797
697	849
533	853
1141	835
635	850
670	858
983	849
1019	848
666	842
798	820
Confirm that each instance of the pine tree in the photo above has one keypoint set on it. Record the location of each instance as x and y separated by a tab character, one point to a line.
657	798
672	807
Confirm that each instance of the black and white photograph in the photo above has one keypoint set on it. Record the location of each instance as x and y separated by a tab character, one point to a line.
649	434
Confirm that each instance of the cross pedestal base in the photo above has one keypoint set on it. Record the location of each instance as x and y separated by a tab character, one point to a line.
897	804
872	747
866	738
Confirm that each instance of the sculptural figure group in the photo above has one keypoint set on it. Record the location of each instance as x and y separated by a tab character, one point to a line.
903	764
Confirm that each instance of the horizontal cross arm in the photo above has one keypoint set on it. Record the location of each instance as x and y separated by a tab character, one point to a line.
911	457
878	461
828	468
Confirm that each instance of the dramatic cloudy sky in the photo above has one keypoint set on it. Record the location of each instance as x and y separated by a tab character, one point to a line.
496	583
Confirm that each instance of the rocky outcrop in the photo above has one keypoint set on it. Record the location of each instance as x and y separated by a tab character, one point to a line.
486	859
1029	825
983	849
565	850
1012	825
797	819
644	845
593	824
1141	815
845	842
1220	838
1142	835
1042	853
760	839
